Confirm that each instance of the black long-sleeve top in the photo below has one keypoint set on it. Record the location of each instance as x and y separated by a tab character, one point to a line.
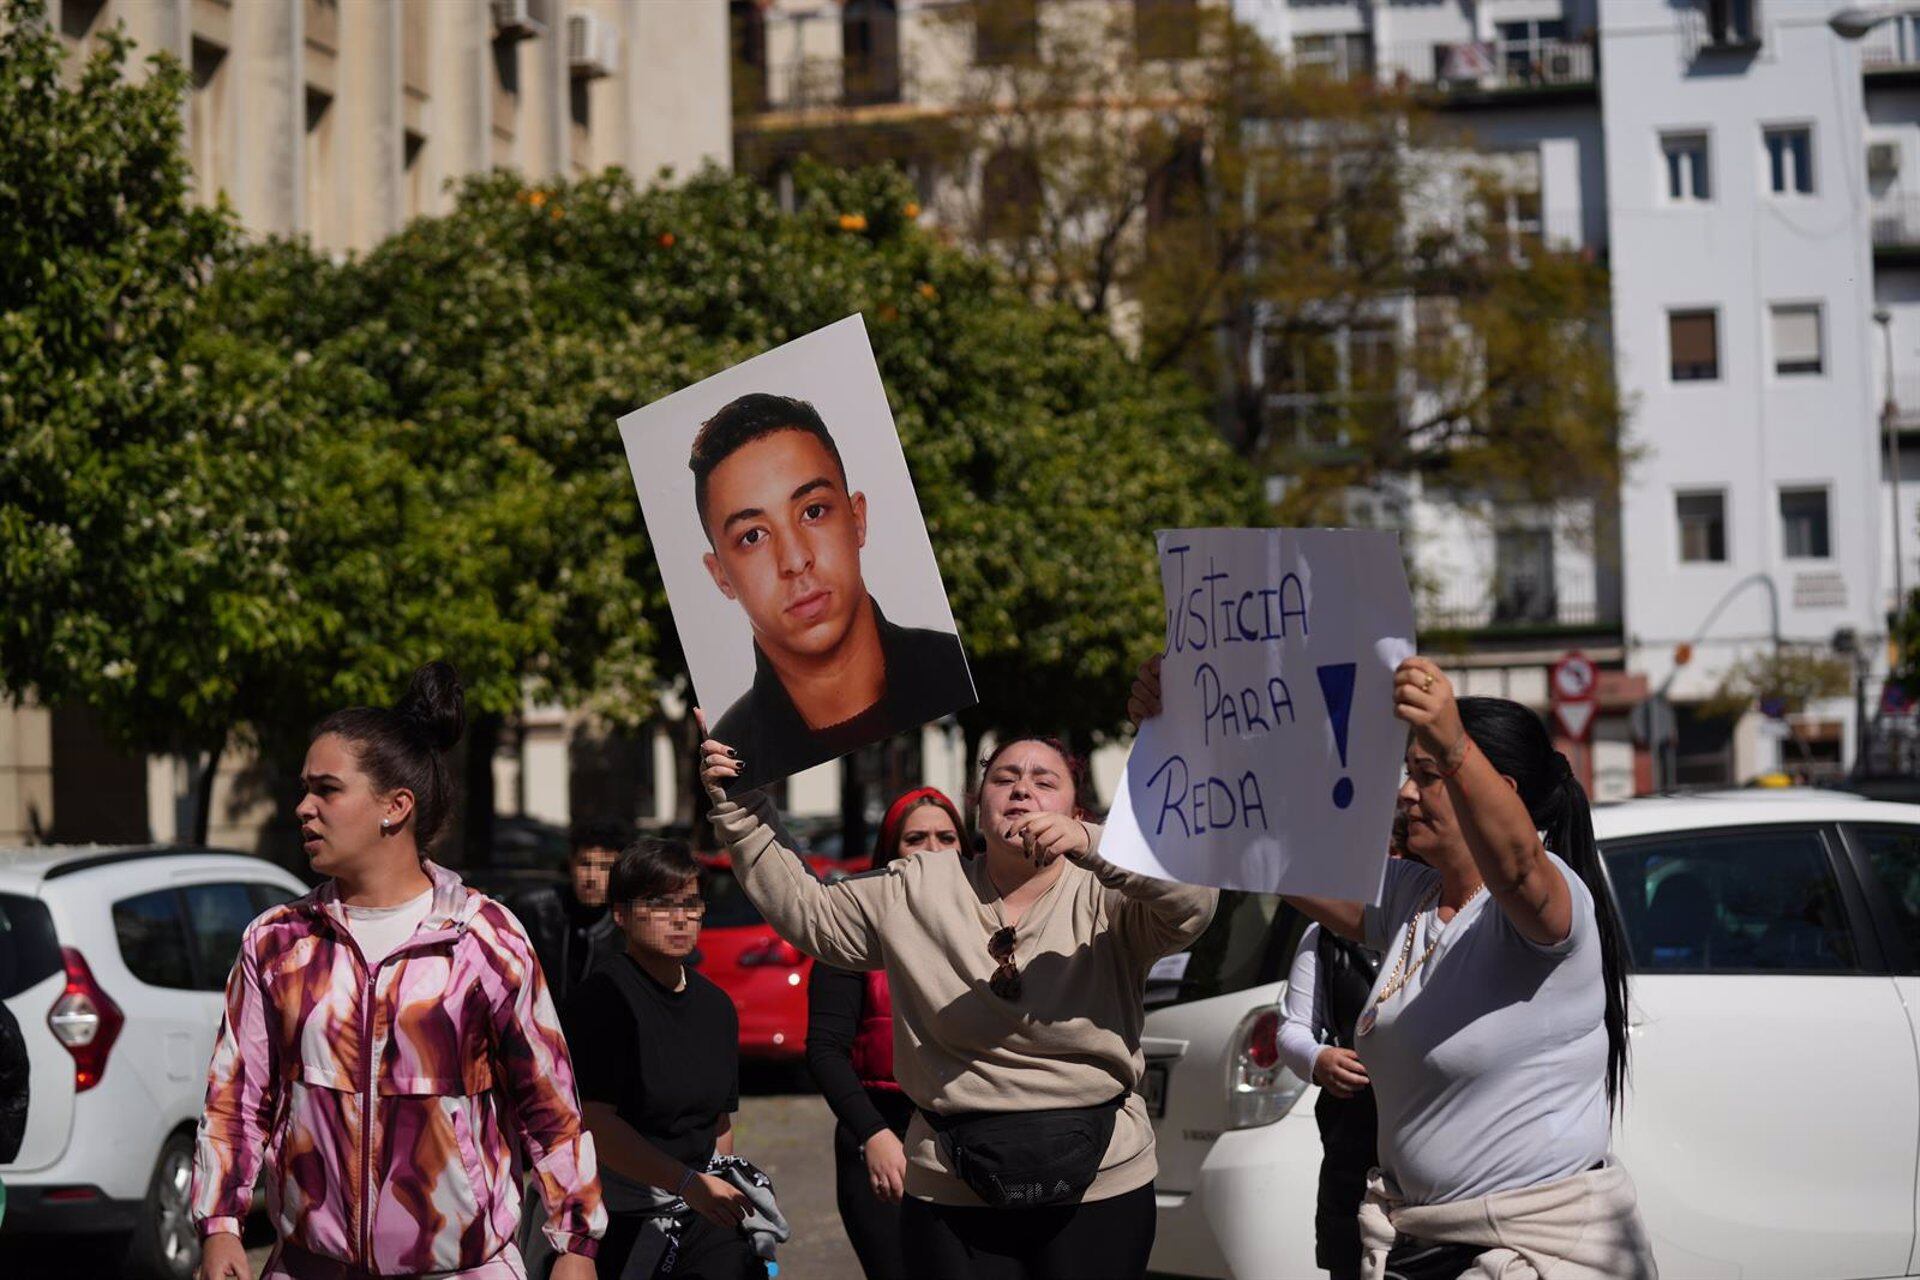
834	1000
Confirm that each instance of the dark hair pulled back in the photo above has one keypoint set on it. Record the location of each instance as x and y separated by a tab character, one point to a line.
405	746
1515	742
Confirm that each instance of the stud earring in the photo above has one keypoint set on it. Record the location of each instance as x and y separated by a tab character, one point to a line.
386	825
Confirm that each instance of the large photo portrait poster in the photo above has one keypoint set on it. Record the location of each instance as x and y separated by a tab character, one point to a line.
796	561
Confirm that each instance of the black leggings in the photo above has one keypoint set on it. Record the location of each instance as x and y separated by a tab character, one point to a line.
1094	1240
873	1226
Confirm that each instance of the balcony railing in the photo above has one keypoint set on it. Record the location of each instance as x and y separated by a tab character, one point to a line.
1906	400
1492	65
819	82
1513	606
1893	46
1896	222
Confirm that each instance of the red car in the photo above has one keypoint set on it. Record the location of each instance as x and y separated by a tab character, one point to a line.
766	976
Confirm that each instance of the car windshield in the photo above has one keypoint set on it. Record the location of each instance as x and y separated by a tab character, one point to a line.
728	906
1250	943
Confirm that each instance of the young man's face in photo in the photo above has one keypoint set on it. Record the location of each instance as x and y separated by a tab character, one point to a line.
786	539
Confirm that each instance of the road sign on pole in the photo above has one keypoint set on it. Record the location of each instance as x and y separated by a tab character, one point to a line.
1573	684
1575	718
1574	678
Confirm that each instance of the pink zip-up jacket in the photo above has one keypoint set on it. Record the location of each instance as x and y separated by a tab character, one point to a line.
384	1105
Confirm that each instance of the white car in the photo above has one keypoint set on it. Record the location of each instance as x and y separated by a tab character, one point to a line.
113	961
1772	1123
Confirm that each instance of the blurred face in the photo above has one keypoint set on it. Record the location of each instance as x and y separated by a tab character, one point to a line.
1027	777
589	868
667	925
1425	810
930	827
786	541
339	812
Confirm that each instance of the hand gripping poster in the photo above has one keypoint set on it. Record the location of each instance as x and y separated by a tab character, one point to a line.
797	565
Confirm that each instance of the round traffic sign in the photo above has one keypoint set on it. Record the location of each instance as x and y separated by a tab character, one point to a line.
1574	678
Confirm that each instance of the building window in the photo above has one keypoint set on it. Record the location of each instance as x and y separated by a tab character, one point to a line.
1790	160
1005	32
1166	28
1703	527
749	38
319	162
1523	48
413	164
1797	340
1693	340
1177	184
870	51
77	17
1733	22
1341	57
1686	160
1523	588
206	121
1803	524
1009	196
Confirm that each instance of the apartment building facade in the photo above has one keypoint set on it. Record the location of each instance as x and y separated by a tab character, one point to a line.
339	120
1751	175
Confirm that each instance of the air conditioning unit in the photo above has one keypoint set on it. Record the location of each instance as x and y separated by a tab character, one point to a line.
593	47
1560	66
519	19
1883	159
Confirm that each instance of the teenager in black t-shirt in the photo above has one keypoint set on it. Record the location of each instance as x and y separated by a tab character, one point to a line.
656	1054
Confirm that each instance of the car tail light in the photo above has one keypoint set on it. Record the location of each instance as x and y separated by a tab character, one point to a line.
85	1020
775	953
1259	1089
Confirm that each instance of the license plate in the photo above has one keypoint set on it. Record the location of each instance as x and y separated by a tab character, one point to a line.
1153	1089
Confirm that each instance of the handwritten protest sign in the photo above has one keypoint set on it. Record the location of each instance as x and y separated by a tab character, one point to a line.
1273	765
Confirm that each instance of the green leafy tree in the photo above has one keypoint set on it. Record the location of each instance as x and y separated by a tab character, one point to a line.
1791	677
508	336
117	509
243	484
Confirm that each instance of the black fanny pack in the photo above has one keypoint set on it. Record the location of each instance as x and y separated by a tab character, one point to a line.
1026	1159
1411	1259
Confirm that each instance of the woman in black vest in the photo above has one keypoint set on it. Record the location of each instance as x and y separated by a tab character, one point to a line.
850	1054
1326	990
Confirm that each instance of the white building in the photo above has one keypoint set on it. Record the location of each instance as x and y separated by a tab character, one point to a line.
1744	291
1752	179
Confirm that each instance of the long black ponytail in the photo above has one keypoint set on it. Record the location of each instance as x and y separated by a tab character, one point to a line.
1515	742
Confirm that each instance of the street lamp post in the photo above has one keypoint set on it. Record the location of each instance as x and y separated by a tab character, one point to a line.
1890	438
1851	24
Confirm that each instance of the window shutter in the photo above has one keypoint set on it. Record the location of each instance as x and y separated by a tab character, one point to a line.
1796	339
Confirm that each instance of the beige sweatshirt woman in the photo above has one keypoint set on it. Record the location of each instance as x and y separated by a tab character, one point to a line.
1071	1039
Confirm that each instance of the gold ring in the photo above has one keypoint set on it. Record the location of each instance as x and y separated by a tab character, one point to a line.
1426	686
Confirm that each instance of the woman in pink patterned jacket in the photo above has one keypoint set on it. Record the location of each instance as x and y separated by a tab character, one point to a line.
389	1040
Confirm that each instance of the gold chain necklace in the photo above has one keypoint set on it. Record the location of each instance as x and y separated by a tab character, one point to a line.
1402	974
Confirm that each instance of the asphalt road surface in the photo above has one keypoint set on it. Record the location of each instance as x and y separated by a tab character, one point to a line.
782	1126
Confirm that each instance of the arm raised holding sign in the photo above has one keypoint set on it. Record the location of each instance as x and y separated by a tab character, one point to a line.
1452	789
1483	807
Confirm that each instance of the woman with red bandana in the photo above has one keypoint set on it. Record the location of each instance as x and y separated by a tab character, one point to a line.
850	1053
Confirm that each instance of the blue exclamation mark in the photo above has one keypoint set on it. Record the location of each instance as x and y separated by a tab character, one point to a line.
1336	686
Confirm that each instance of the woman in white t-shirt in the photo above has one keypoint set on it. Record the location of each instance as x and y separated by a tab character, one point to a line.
1495	1038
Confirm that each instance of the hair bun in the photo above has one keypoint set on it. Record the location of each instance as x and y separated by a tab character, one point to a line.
434	707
